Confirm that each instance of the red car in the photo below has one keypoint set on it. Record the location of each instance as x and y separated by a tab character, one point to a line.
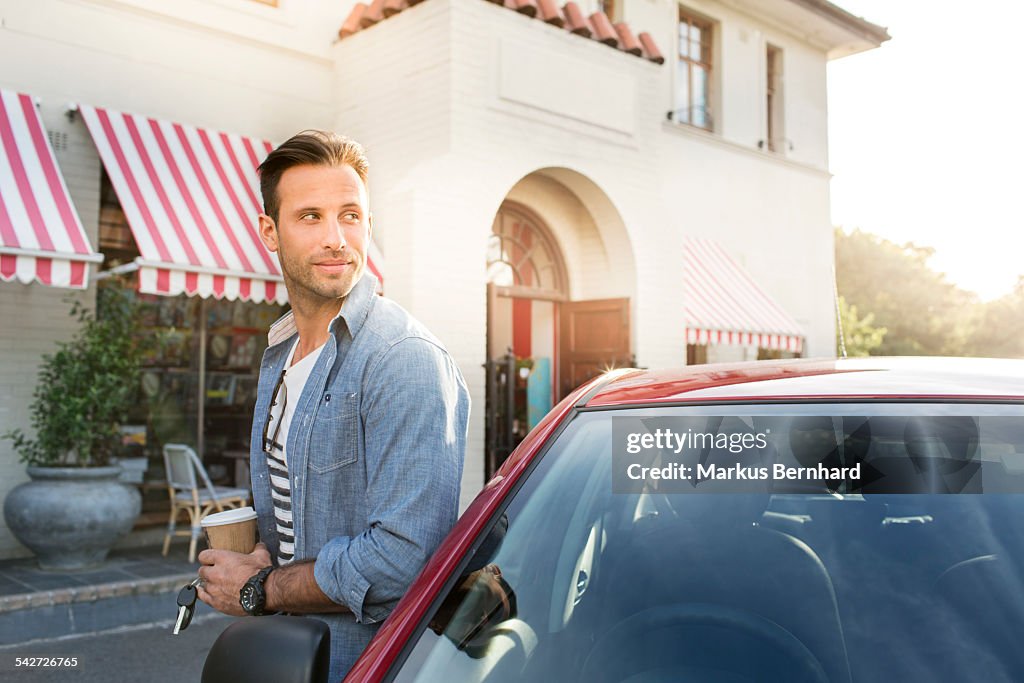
807	520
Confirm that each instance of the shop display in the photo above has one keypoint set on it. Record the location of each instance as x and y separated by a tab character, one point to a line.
244	351
220	389
236	337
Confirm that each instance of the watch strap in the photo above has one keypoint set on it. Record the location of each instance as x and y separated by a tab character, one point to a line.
258	584
262	574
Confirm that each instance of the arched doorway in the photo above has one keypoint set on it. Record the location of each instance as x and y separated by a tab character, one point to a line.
540	343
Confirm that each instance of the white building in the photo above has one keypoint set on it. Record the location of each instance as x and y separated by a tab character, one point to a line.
621	200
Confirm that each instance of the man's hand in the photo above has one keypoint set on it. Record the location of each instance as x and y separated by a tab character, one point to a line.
224	573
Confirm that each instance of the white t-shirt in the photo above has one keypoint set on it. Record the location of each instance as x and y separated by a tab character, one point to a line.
295	377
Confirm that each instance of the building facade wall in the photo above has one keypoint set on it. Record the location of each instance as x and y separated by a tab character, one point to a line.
461	104
491	125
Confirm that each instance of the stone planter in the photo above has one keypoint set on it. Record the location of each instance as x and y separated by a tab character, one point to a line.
133	470
70	517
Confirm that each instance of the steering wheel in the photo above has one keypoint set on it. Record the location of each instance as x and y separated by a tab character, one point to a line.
609	659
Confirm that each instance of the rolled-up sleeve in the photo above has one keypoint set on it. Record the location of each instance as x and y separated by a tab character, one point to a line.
415	414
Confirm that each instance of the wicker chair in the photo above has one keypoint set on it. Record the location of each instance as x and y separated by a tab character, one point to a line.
196	498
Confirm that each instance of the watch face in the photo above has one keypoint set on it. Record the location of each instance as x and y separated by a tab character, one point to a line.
247	597
252	597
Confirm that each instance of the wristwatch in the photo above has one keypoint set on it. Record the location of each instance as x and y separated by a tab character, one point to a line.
253	596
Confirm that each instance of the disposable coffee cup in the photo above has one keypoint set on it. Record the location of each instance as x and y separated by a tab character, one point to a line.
233	530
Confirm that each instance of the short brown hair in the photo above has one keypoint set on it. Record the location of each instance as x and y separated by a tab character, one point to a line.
312	147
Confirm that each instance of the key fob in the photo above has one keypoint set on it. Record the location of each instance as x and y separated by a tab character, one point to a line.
186	607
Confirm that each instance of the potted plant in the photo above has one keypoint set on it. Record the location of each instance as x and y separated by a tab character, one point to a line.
73	510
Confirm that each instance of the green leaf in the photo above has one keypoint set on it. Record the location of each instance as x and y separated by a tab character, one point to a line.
88	386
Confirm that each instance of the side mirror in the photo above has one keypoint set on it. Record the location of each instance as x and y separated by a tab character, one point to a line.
273	649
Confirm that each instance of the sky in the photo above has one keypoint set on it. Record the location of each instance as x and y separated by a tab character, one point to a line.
926	136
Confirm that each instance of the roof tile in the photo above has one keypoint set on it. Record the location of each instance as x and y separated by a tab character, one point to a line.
627	41
352	24
597	27
527	7
577	23
550	13
603	30
650	48
393	7
373	15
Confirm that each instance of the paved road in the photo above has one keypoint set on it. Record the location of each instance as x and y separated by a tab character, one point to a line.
148	654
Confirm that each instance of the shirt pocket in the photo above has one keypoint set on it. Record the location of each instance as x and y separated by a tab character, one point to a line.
334	442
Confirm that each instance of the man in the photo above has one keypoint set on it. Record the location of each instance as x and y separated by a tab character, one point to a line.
360	424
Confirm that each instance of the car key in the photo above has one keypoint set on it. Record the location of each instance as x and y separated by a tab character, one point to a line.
186	606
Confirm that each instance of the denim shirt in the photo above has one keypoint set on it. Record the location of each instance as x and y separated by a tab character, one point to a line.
375	453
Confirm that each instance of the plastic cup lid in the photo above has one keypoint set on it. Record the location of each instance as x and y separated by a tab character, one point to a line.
229	517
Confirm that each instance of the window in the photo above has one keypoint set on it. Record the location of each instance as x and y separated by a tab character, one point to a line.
696	354
773	99
116	240
521	254
610	8
776	354
693	72
693	580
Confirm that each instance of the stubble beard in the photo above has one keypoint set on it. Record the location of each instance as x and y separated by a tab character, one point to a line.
304	283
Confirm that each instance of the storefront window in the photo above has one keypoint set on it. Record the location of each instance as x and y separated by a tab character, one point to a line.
236	336
169	409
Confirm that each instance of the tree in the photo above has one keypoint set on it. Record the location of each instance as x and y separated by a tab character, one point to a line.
922	313
87	387
1000	329
860	337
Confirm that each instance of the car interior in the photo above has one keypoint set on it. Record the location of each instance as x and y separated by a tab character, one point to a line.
818	586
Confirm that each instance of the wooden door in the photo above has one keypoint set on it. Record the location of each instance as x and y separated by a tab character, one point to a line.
593	336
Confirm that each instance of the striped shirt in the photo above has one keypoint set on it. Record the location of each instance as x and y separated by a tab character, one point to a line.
281	414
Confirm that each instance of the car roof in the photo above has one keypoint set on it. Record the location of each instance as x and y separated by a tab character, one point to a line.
817	379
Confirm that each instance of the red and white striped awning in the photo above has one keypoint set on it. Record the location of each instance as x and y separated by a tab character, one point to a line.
41	237
191	197
724	305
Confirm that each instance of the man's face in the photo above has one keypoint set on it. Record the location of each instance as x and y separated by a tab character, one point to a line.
322	232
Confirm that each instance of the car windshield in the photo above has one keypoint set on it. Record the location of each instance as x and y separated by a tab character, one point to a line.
888	547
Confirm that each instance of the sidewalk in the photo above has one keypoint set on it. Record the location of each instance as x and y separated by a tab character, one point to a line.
136	586
125	655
